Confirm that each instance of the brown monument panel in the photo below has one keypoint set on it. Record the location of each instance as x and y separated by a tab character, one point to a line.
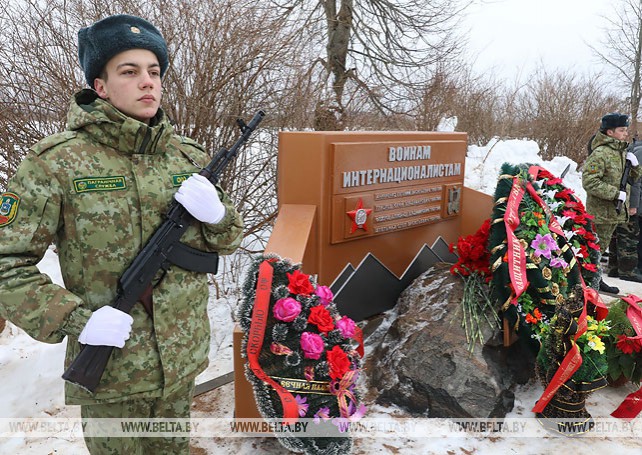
361	212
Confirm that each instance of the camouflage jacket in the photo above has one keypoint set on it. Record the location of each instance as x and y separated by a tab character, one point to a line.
601	175
98	191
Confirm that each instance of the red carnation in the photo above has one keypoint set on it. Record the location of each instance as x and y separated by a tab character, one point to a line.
570	213
590	267
554	181
595	246
565	195
544	174
473	253
628	345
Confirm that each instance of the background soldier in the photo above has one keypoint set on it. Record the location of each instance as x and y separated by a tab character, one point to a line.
623	249
601	178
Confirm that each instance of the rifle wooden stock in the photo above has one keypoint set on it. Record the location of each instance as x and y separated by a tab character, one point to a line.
88	366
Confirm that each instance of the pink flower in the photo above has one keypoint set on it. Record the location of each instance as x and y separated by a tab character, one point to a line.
544	245
286	310
312	345
346	326
558	263
325	294
356	414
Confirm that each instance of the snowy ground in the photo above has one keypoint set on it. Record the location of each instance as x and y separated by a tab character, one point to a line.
30	384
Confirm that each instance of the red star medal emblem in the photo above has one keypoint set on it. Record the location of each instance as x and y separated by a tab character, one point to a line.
359	216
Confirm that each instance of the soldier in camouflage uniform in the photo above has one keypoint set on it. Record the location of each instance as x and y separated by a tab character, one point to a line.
601	177
623	257
98	191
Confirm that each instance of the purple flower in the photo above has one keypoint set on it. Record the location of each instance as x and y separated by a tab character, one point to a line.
322	413
358	413
312	345
325	294
544	245
286	310
558	263
301	405
346	326
343	423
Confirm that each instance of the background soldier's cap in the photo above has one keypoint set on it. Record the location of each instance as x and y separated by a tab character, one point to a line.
98	43
614	120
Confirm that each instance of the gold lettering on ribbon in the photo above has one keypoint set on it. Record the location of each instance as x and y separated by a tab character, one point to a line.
517	255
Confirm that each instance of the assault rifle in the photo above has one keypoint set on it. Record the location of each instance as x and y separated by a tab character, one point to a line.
162	250
623	182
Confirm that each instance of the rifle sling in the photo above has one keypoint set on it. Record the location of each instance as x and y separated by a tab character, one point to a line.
192	259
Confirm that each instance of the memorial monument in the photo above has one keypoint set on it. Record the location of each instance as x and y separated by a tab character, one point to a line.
366	213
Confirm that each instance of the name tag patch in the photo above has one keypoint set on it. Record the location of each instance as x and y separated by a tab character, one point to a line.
177	179
88	184
9	203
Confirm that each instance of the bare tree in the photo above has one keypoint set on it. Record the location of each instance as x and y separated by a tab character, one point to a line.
376	47
36	77
621	50
228	59
561	110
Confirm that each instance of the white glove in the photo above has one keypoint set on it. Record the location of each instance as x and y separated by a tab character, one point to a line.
622	196
107	326
200	198
632	158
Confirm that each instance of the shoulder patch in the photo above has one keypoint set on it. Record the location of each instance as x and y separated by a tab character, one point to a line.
592	168
53	140
9	203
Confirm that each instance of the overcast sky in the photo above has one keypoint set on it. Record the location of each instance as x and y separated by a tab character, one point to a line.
513	36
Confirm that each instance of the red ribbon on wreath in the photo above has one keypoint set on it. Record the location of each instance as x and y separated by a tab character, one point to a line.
571	363
255	341
632	404
516	254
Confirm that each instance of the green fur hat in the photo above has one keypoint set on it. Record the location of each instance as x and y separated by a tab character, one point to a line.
98	43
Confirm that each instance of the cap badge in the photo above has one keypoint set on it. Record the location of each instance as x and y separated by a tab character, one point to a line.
135	30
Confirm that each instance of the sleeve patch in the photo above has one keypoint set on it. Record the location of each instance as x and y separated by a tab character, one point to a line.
9	203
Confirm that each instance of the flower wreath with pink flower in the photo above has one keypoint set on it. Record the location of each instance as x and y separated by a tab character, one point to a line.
309	352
